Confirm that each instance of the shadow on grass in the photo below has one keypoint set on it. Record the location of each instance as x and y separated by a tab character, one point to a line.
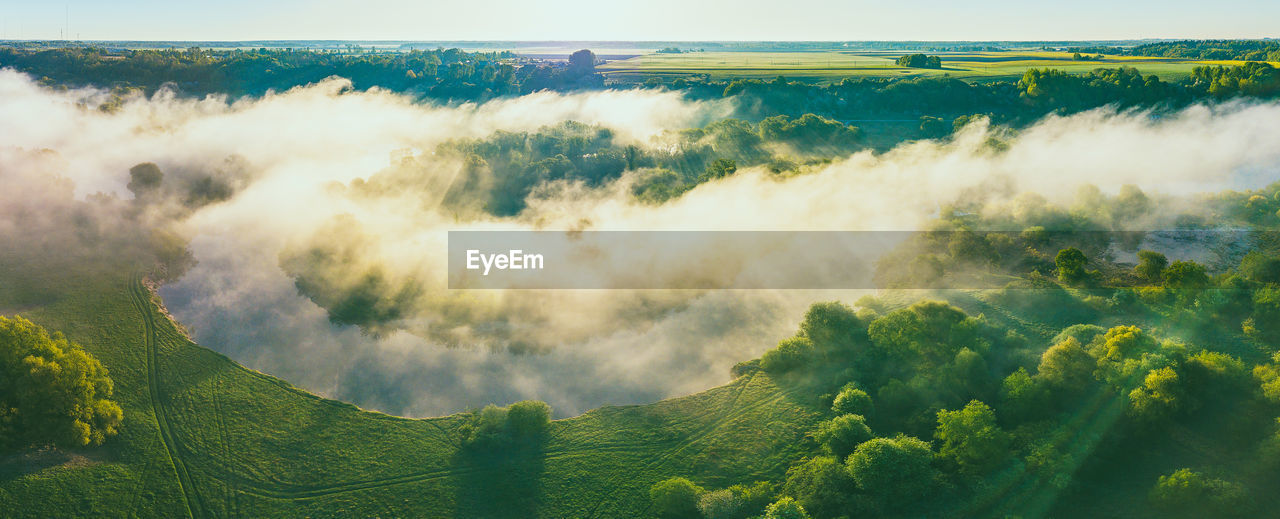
500	480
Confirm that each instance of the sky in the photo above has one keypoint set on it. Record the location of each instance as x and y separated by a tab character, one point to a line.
627	20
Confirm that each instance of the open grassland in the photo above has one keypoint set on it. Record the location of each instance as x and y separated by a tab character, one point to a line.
833	66
206	437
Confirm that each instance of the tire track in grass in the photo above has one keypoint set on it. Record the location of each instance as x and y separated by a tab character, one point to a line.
730	410
137	292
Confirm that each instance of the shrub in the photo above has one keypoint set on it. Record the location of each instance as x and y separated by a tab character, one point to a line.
1185	493
842	434
52	392
785	508
852	400
675	498
788	355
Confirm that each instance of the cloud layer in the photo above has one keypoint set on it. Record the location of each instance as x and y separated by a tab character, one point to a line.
289	161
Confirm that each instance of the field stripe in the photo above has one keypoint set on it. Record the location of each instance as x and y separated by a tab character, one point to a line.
136	292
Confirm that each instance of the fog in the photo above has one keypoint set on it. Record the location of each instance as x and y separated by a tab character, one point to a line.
287	162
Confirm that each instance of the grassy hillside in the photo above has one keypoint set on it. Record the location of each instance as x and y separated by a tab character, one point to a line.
205	437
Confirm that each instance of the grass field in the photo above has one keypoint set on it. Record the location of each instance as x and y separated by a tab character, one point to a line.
205	437
833	66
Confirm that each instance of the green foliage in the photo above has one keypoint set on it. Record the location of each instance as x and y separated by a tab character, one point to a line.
1151	265
785	508
851	400
52	392
842	434
833	328
1185	493
821	485
919	61
896	471
718	168
497	427
675	498
1125	342
1158	398
721	504
788	355
1186	274
971	439
1071	265
1252	79
1067	368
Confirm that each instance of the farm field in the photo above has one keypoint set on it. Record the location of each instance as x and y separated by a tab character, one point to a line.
833	66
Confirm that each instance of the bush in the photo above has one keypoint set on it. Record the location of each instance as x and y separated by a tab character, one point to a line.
785	508
788	355
852	400
821	485
842	434
675	498
897	471
720	504
1185	493
971	439
52	392
528	418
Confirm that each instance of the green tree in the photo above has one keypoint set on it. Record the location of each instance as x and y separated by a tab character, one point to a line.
1185	493
1071	265
896	471
971	438
790	354
718	168
851	400
842	434
1159	397
785	508
1151	265
52	392
1186	274
1067	367
821	484
721	504
675	498
528	419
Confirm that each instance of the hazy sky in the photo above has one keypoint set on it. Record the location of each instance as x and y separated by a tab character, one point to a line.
640	20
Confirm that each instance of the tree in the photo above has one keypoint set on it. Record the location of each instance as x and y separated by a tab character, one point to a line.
971	439
718	168
1125	342
1159	397
785	508
1070	262
720	504
675	498
821	484
583	61
919	61
896	471
528	419
1067	367
52	392
144	180
852	400
1185	493
842	434
832	327
1186	274
1151	265
788	355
